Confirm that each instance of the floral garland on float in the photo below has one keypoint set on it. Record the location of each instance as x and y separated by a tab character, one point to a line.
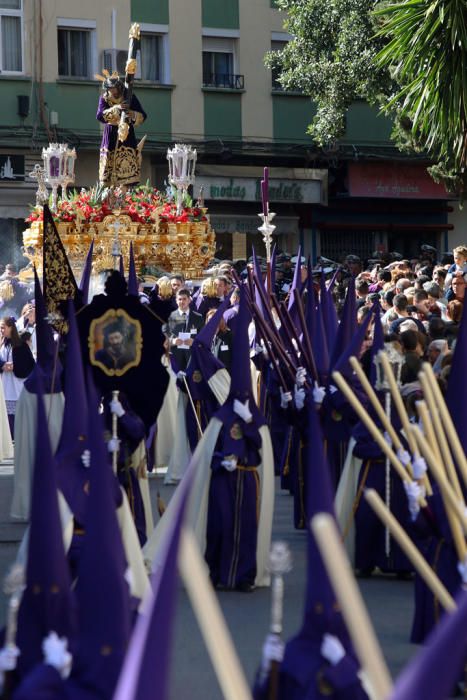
167	230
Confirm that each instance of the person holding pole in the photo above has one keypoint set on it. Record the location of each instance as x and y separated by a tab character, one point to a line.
319	661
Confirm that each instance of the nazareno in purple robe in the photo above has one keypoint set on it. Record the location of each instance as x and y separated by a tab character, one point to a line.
233	506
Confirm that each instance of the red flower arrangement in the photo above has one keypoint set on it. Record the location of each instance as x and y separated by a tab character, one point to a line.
141	204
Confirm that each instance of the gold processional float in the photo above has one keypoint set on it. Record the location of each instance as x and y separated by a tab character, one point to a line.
169	233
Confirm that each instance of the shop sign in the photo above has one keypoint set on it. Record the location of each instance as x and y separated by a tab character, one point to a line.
245	189
250	224
393	181
11	168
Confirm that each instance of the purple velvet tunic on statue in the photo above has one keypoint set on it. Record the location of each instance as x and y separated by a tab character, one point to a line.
119	163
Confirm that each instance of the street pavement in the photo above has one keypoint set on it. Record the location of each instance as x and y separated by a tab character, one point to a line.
390	603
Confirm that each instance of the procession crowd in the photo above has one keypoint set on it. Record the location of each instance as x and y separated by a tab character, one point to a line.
269	370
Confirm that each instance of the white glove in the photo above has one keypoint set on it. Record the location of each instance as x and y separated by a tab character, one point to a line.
332	389
319	392
403	456
113	445
8	658
286	397
259	349
332	649
299	397
243	410
387	437
419	468
230	463
86	458
181	374
462	569
56	653
117	408
414	491
273	650
300	377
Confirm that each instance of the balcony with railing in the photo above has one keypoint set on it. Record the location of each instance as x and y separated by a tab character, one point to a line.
229	81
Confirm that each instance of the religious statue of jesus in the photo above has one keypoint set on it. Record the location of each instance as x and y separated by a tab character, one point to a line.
120	162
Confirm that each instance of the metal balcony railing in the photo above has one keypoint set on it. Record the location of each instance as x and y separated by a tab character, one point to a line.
224	80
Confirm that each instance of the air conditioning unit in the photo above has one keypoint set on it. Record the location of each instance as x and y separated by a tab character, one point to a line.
114	60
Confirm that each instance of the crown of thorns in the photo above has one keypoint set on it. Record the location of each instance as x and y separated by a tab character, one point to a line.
109	80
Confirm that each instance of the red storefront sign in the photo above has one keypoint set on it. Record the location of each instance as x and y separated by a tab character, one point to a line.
393	181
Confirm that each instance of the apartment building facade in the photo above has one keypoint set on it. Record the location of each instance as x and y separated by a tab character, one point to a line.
202	80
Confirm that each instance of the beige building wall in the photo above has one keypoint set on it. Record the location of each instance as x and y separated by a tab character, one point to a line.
255	40
257	23
93	10
186	68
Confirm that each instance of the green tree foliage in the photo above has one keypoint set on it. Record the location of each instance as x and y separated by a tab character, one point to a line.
331	58
409	58
426	54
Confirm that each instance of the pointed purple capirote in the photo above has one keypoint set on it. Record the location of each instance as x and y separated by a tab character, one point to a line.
48	602
146	669
241	376
202	361
132	278
317	332
353	347
320	348
329	312
86	276
377	344
48	364
310	310
240	387
302	659
272	266
72	474
101	590
348	325
75	415
457	383
296	281
46	346
439	664
258	280
320	602
208	331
